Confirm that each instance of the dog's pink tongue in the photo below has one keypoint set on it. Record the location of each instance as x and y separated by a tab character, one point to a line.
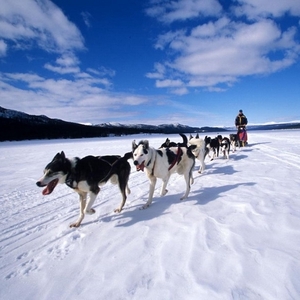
140	167
46	191
50	187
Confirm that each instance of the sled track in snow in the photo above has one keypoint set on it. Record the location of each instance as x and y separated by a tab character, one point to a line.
286	157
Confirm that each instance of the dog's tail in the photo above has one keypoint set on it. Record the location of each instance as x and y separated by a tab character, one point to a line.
126	156
184	140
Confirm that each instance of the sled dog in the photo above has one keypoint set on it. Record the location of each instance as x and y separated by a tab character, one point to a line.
224	146
168	143
162	163
213	146
85	175
234	140
199	150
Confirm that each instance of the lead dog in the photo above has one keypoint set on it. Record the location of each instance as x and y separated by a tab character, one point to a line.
85	176
162	163
199	150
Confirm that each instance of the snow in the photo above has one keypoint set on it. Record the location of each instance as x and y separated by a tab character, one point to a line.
236	237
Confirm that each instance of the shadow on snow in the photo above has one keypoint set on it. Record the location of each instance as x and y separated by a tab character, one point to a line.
160	205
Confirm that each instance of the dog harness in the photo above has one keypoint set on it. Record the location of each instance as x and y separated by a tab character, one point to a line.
149	162
179	152
176	160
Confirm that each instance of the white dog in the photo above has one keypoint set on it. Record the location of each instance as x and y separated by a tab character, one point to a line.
162	163
199	150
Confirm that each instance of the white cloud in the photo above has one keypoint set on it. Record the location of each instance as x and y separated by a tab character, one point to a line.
102	71
217	53
263	8
180	91
3	48
65	64
67	60
210	81
170	11
159	72
245	51
38	22
79	100
62	70
86	18
169	83
26	77
167	38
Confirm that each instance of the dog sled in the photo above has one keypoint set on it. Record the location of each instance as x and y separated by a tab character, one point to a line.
242	136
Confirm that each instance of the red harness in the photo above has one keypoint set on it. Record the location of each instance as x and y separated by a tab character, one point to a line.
179	152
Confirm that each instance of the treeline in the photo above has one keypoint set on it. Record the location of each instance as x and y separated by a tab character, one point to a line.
17	126
17	130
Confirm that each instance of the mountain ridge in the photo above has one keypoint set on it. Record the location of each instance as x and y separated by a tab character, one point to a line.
22	126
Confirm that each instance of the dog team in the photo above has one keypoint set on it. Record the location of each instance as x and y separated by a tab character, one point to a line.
88	174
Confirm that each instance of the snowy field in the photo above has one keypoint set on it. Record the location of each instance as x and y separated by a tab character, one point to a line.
237	236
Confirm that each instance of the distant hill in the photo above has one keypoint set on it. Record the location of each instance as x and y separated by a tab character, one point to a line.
290	125
16	126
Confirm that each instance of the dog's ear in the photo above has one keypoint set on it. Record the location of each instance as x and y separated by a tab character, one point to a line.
197	136
191	136
134	145
58	156
168	142
146	144
63	156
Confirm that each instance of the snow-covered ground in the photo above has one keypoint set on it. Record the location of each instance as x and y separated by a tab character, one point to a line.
237	236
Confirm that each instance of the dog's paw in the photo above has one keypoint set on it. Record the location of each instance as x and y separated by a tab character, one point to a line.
164	192
145	206
117	210
77	224
90	211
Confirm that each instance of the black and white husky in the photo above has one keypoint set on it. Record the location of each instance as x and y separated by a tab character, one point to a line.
168	143
224	146
162	163
213	146
85	175
199	150
234	140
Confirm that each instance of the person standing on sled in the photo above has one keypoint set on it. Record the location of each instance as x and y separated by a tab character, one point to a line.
240	123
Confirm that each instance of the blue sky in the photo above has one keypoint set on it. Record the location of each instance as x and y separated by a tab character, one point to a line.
194	62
